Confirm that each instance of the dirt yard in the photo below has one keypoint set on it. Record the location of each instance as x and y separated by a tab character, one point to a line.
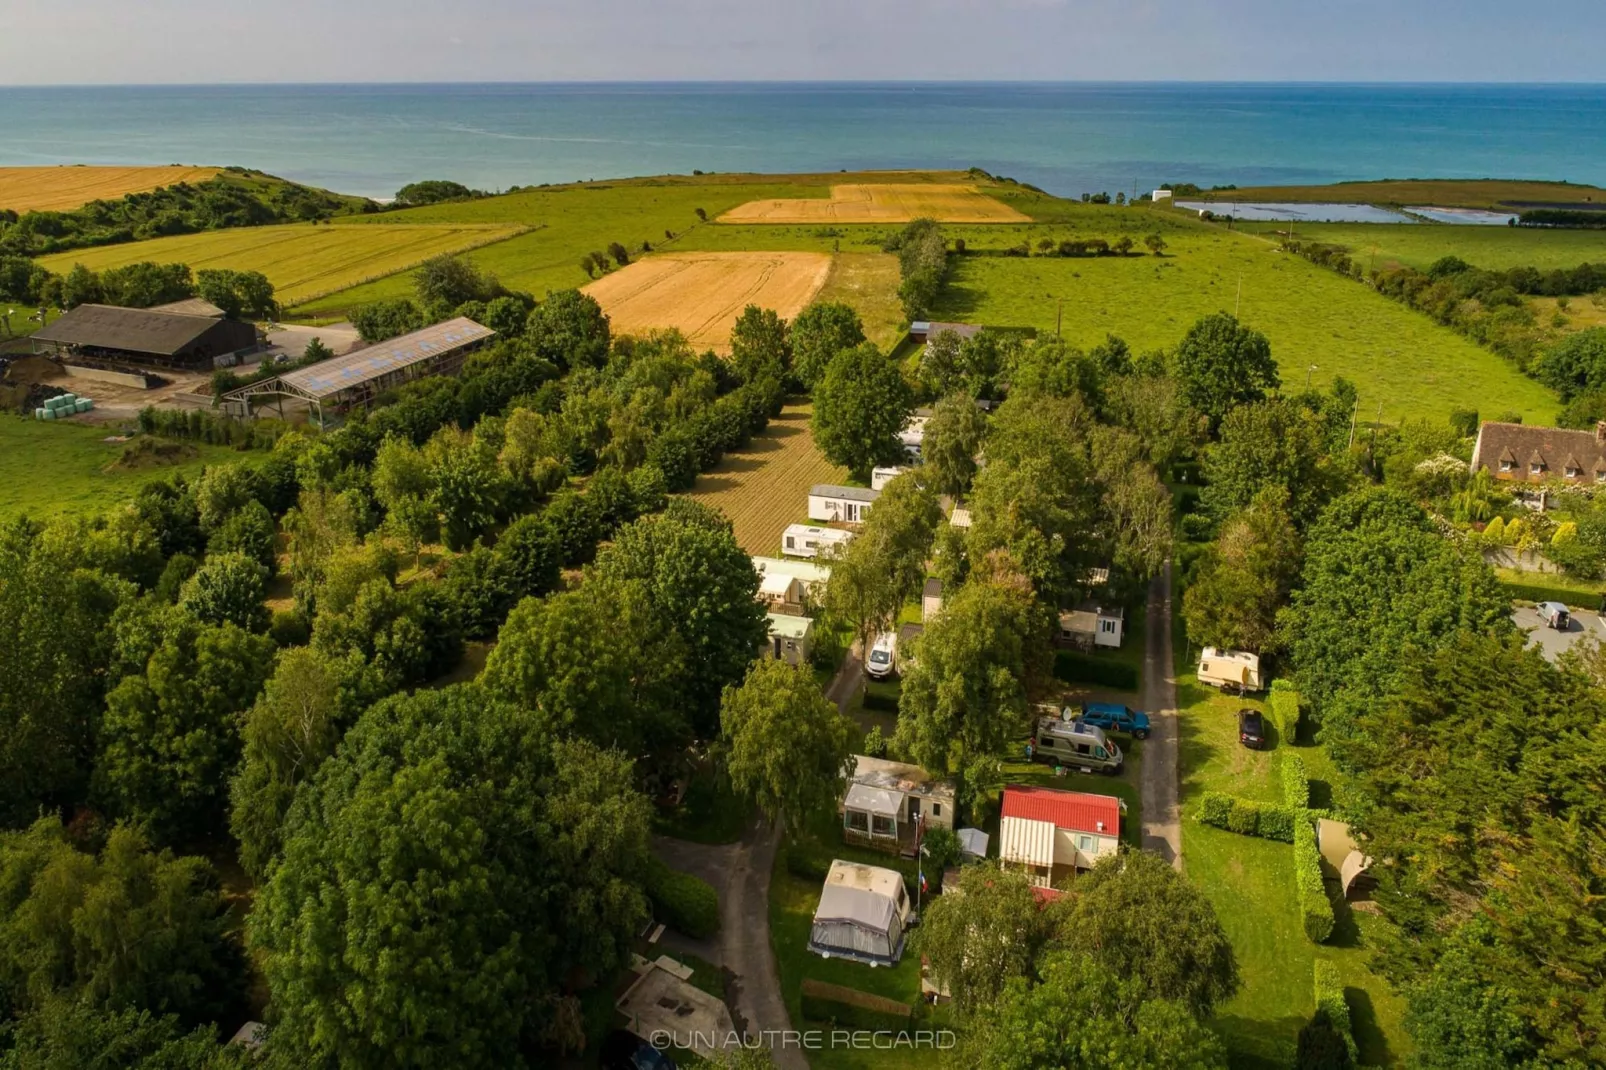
878	203
766	486
701	294
59	189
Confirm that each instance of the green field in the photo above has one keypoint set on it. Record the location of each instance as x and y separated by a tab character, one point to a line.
1420	244
302	260
1432	192
49	469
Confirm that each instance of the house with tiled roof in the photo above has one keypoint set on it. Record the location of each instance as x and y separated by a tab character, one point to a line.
1526	454
1050	834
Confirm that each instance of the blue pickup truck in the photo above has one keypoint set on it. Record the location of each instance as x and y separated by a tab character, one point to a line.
1114	717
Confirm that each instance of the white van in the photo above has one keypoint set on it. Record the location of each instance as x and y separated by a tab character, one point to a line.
1237	671
1063	741
883	659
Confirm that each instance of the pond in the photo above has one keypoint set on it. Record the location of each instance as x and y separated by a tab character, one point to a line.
1300	213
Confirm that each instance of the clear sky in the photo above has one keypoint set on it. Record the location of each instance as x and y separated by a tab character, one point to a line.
170	41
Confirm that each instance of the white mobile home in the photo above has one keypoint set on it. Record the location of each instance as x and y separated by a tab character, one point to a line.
1091	624
780	592
844	505
804	540
1230	670
880	477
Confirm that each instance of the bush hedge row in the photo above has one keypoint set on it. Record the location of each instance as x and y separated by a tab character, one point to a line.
1330	1000
849	1007
1315	909
685	903
1296	784
1075	667
1284	709
1247	817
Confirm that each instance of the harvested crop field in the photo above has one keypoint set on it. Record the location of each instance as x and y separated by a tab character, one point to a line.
880	203
702	294
302	260
58	189
766	486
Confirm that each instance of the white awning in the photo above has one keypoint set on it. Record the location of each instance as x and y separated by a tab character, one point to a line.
775	585
873	800
1023	840
973	842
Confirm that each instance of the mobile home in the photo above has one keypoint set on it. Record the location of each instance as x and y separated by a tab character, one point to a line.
845	505
1051	834
880	477
1230	670
804	540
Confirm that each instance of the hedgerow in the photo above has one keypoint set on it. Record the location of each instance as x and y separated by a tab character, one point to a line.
1315	909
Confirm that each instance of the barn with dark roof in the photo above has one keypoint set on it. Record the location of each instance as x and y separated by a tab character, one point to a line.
144	336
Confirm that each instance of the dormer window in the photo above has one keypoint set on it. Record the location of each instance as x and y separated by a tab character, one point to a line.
1537	468
1573	471
1600	475
1505	466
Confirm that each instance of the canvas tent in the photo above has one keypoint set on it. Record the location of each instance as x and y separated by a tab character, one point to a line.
861	916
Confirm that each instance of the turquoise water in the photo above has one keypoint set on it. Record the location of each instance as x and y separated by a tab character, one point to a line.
1067	138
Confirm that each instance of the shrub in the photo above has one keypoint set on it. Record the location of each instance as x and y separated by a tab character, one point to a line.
1074	667
1216	808
1315	909
683	902
1247	817
806	865
851	1008
1244	819
1296	785
1330	1001
1284	709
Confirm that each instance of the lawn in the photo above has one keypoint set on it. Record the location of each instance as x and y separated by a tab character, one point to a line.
61	468
868	283
765	487
302	260
1396	357
1420	244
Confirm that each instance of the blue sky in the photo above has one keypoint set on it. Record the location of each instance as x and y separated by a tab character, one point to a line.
167	41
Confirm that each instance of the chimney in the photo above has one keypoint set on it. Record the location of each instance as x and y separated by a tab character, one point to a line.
1600	432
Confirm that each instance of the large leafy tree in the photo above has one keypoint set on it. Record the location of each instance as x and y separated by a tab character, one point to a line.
445	876
818	334
982	934
227	589
860	406
1245	578
569	329
952	443
884	566
1221	363
66	1033
1274	443
788	747
168	740
759	345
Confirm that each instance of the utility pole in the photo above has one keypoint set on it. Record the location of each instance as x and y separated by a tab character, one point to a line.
1238	304
1059	316
1354	412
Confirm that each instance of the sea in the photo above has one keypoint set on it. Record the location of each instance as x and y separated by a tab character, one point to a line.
1067	138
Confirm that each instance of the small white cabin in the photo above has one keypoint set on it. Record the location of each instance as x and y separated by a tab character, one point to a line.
1162	198
880	477
778	590
930	599
805	540
1091	624
844	505
790	638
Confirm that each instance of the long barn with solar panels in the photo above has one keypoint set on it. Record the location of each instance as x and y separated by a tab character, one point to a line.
356	379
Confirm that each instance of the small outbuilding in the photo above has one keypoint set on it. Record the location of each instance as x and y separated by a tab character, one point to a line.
790	638
830	503
1051	834
930	599
1092	624
862	915
781	592
880	477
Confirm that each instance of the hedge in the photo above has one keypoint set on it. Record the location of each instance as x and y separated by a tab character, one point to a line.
1284	708
1315	909
1074	667
1330	999
1296	785
843	1006
683	902
1247	817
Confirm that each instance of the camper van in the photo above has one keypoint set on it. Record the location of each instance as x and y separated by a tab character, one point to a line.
1231	670
805	540
1062	741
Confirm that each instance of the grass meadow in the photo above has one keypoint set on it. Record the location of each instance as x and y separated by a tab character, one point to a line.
1420	244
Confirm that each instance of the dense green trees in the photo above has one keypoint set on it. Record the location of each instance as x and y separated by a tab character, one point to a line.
818	334
952	442
860	406
787	747
386	319
1275	443
66	1033
1221	363
240	294
444	876
760	346
982	934
922	250
445	282
1245	579
884	566
570	330
227	589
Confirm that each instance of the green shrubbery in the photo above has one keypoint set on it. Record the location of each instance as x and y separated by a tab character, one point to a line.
1330	1001
1315	909
683	902
1247	817
1074	667
850	1008
1284	709
1296	784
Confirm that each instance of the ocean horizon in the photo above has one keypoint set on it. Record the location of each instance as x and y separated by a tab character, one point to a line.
1066	137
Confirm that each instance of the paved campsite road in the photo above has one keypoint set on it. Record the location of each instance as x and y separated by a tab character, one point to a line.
1162	826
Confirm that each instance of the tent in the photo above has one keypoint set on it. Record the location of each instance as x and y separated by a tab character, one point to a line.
861	915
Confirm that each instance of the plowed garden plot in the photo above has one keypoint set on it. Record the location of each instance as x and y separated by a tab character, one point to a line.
701	294
59	189
766	486
880	203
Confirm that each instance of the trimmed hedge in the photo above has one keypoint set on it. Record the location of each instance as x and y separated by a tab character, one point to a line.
1074	667
1247	817
1296	785
843	1006
685	903
1330	999
1283	705
1315	909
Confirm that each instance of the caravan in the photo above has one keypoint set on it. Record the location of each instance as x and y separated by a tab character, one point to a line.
1230	670
1077	744
805	540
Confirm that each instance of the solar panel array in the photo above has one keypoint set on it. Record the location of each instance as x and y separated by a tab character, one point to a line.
332	376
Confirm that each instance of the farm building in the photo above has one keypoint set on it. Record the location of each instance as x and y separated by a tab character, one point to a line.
356	379
1526	454
191	306
1050	834
848	505
885	800
790	638
813	577
862	914
930	598
804	540
924	331
144	336
1092	624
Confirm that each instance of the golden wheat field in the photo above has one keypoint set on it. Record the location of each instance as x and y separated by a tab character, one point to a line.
766	486
58	189
302	260
880	203
701	294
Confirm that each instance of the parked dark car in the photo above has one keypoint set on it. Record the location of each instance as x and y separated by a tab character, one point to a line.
1251	729
625	1051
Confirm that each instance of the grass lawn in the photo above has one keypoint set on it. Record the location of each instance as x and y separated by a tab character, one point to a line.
56	468
868	283
1574	591
1436	193
1395	356
1420	244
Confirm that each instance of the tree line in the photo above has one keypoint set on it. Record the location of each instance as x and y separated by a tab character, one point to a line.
240	294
